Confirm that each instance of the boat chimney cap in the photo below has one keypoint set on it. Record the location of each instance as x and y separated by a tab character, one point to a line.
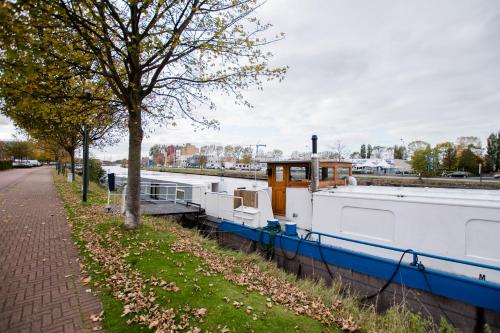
314	144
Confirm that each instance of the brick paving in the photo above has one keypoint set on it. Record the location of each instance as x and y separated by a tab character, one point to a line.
40	288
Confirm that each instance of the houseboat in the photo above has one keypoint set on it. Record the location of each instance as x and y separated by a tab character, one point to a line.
437	249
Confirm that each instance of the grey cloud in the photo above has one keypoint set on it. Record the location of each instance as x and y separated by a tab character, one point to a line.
368	72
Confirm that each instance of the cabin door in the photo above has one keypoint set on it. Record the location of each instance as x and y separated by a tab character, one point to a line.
279	190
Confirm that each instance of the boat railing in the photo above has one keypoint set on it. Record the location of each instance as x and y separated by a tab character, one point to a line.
415	254
174	193
165	194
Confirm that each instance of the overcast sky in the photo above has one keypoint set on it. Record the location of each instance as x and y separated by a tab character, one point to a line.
363	72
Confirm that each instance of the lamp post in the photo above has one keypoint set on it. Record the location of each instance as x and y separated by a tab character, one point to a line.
87	97
404	151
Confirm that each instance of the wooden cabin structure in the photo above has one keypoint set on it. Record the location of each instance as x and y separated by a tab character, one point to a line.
297	174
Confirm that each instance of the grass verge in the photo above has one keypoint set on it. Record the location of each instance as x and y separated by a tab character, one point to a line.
162	277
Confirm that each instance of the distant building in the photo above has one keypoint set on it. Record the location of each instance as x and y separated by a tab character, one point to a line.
170	155
189	150
229	162
379	166
184	152
178	156
213	162
402	166
243	166
193	161
181	161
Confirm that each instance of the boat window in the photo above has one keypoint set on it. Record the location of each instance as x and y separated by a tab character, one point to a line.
343	172
279	173
299	173
327	173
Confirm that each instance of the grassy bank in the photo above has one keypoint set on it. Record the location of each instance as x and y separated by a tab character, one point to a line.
167	278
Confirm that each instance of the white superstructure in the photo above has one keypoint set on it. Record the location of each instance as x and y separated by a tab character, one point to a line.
455	223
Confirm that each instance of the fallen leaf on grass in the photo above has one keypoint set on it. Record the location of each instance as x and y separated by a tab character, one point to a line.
154	323
349	325
200	312
171	287
126	310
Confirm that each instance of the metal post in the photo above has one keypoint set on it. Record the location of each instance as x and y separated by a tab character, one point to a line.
87	97
255	161
85	163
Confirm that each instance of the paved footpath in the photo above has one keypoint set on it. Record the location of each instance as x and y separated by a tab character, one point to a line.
40	288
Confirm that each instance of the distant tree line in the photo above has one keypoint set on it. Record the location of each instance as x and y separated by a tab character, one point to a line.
27	150
464	155
492	157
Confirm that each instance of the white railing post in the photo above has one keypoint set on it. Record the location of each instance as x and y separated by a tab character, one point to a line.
124	197
218	208
175	194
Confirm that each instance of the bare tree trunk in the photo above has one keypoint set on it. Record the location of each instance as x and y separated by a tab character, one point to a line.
133	210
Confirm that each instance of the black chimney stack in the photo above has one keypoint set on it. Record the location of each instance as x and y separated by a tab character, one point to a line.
315	144
314	165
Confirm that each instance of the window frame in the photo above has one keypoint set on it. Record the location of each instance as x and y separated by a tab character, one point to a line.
341	168
282	174
307	171
327	179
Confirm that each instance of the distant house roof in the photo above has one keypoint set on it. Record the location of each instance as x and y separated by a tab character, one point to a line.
402	165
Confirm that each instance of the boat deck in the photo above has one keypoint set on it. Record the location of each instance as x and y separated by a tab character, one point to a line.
169	208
